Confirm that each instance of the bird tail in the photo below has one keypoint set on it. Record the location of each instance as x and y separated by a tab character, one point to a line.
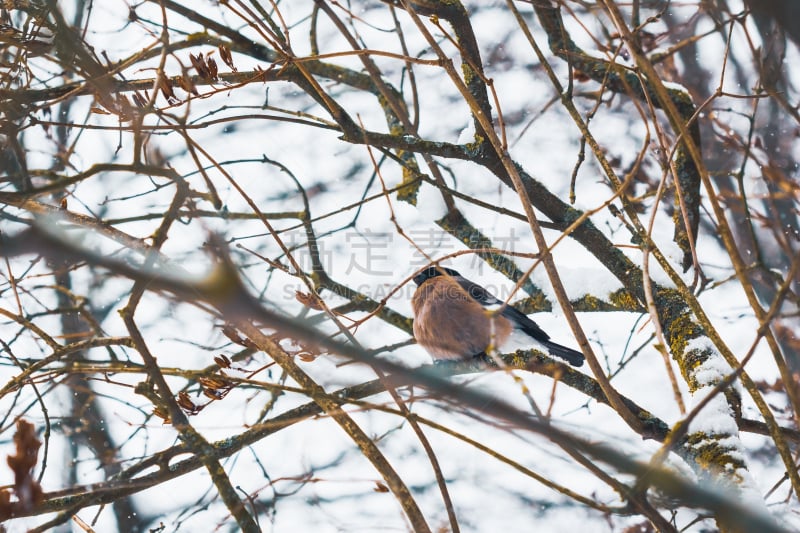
574	357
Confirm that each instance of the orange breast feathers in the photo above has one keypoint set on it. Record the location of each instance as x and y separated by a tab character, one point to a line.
449	324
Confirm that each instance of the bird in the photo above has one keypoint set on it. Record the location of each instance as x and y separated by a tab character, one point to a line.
455	318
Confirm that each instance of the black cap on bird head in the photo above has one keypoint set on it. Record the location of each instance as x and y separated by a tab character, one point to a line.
431	272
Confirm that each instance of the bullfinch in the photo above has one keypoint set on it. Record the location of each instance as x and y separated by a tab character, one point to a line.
455	318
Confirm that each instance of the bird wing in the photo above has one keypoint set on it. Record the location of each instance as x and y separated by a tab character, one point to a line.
478	293
525	324
489	301
520	321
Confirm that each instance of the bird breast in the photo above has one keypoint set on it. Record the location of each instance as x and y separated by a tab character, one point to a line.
450	324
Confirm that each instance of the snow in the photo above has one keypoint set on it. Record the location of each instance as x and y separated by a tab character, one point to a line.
371	256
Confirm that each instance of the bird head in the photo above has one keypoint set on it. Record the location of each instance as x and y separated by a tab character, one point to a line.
431	272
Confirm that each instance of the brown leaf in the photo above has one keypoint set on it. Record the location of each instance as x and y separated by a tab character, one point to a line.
186	403
212	68
222	361
6	509
139	100
214	382
187	84
227	58
233	335
166	90
309	300
199	64
213	394
307	357
215	387
27	490
161	413
579	75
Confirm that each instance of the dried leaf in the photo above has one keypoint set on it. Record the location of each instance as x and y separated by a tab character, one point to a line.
309	300
307	357
139	100
222	361
166	89
233	335
213	394
6	509
212	68
161	413
186	403
199	64
27	490
187	84
214	382
227	58
579	75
